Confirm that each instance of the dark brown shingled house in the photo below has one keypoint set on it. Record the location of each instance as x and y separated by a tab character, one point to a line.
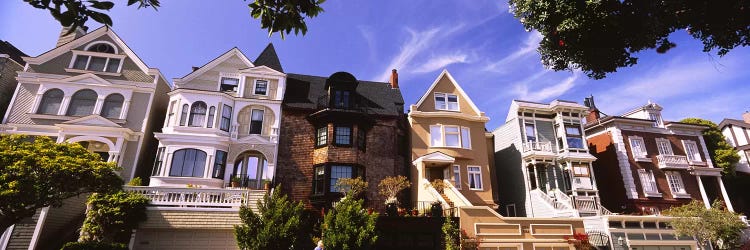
339	127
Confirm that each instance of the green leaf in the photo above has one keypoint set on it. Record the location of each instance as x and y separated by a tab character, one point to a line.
105	5
100	17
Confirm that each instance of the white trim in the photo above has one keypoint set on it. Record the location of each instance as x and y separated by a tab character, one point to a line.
457	182
213	63
481	177
507	210
531	229
458	87
12	102
104	42
255	84
477	224
5	237
39	227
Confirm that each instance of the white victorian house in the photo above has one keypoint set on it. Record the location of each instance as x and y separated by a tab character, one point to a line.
90	89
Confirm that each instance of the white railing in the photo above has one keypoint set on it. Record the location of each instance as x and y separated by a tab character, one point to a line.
552	202
194	197
586	204
434	193
562	198
672	161
537	146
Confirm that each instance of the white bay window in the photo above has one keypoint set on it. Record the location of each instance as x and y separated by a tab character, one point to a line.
450	136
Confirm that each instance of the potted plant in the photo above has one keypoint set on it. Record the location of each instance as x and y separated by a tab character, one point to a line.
235	181
389	187
439	185
436	210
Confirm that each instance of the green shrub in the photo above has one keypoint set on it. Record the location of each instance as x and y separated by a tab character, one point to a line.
112	217
277	225
135	182
349	226
93	245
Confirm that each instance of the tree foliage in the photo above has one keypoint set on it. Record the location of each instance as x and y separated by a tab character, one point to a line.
600	36
40	173
348	226
451	235
285	16
110	218
275	226
722	154
75	13
716	225
351	186
390	186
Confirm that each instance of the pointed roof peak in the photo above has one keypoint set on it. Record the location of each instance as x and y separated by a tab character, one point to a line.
269	58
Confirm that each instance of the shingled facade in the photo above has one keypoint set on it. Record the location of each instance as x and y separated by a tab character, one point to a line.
339	127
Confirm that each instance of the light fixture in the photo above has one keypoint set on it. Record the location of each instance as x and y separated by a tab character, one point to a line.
620	241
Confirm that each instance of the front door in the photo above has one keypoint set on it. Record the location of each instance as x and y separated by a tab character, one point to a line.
436	173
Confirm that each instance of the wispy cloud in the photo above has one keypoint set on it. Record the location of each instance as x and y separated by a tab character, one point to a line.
440	62
529	47
417	42
527	90
369	37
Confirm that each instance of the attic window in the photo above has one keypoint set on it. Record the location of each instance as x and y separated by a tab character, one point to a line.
445	101
229	84
101	48
98	60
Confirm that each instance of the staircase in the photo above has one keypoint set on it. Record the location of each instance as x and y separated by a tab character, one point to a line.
554	206
447	200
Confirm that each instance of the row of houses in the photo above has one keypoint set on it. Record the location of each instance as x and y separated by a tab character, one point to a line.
214	138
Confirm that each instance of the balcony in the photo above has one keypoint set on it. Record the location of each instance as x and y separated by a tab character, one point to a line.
197	197
672	162
537	146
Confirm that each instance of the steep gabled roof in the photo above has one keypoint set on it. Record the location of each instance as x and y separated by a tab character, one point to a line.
14	53
269	58
448	75
214	62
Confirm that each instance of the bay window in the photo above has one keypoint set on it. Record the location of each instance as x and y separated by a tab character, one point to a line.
339	172
188	162
197	114
184	114
82	103
211	115
159	162
112	106
530	132
321	136
450	136
319	180
573	136
261	87
220	163
325	177
226	118
342	135
51	101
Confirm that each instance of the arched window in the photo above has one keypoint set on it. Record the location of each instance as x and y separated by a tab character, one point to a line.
197	114
188	162
211	114
112	106
82	103
183	115
51	101
101	48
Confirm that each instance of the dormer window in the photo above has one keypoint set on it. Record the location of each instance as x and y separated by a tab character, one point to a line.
341	99
657	119
95	58
261	87
229	84
445	101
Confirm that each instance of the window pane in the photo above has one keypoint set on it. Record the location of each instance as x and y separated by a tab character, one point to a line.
436	136
343	135
229	84
82	103
457	176
80	62
219	164
322	136
571	130
339	172
200	163
452	102
261	87
113	65
574	142
226	118
256	121
530	133
319	182
440	101
97	63
211	115
451	140
341	99
184	115
465	138
197	114
51	101
178	160
112	106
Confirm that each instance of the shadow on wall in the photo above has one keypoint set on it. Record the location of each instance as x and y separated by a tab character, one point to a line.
609	180
511	187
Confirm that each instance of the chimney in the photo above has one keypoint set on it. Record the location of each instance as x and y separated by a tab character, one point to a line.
594	113
746	116
394	79
66	38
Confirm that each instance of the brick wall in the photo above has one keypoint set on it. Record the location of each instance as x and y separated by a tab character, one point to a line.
607	171
297	154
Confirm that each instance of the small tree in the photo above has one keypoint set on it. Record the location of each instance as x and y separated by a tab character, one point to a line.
110	218
349	226
40	173
715	225
390	186
722	154
274	226
451	235
351	186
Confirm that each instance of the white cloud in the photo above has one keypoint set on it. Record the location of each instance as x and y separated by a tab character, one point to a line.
542	93
529	47
369	37
417	42
440	62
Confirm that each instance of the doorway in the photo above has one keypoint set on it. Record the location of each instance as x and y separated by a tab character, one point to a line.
251	168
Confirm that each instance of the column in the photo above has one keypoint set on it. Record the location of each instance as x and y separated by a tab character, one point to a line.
703	192
126	107
98	105
724	194
37	101
64	105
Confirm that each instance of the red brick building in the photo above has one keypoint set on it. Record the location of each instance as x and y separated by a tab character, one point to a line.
339	127
645	165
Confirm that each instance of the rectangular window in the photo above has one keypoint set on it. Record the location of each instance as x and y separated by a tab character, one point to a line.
226	118
436	136
445	101
475	177
80	62
341	99
675	182
113	65
452	136
691	150
159	161
321	137
95	63
319	180
573	135
229	84
581	171
656	118
637	147
343	135
361	138
338	172
261	87
530	132
665	147
211	116
220	162
648	182
510	210
256	122
170	117
457	176
465	138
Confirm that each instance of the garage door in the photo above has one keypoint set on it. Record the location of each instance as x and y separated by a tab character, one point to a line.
153	239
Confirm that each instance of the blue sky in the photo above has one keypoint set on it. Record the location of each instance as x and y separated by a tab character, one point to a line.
486	50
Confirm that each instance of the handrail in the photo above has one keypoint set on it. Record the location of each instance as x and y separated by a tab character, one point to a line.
194	197
431	190
562	198
553	203
452	190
